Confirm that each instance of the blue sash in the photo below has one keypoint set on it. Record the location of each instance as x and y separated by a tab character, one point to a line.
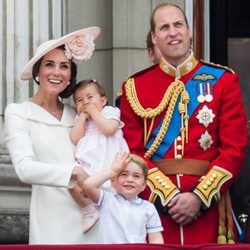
175	123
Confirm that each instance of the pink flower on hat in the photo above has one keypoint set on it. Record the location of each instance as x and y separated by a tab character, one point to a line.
80	48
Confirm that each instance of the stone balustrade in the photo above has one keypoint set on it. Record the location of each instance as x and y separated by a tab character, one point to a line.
14	204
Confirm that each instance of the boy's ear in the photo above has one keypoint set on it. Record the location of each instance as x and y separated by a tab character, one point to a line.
144	186
112	180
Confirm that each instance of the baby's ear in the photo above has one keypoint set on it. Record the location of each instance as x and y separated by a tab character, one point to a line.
104	100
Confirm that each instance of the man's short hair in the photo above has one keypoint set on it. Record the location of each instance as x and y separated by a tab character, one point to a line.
152	21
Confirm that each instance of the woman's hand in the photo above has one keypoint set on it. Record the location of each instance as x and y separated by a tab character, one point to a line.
79	176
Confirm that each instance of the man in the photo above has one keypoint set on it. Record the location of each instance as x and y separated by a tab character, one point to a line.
154	53
187	119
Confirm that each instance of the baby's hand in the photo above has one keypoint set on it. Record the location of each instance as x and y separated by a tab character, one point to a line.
91	109
119	162
84	115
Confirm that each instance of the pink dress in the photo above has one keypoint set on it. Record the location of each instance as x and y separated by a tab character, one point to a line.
95	151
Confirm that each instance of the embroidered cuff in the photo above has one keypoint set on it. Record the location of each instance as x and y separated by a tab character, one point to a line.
208	188
161	185
215	199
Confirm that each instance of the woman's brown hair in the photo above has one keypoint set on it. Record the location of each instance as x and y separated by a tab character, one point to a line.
70	88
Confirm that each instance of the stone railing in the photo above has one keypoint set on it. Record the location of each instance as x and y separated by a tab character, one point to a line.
14	203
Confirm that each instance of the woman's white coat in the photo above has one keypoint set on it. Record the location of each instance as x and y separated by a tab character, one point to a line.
43	156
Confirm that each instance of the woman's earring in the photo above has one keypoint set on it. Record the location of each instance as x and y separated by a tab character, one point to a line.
37	79
68	83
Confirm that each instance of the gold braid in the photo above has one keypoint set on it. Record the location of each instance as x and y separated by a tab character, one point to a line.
136	106
170	98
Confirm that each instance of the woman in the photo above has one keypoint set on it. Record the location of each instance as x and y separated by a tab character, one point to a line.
37	137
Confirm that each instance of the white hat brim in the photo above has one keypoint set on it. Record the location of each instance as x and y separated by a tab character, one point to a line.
52	44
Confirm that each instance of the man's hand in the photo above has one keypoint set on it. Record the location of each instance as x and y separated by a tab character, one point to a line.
184	208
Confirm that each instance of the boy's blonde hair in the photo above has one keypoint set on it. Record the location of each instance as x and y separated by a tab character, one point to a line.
141	163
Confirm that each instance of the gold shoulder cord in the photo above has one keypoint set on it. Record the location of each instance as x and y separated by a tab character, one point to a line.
218	66
170	98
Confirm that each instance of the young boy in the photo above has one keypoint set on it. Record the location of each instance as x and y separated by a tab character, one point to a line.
124	218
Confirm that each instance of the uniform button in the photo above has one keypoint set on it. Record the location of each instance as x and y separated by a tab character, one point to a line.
214	175
160	180
164	183
167	186
205	187
178	156
211	179
157	177
209	183
178	138
179	147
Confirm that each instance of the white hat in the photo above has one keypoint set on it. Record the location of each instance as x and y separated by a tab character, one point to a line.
79	47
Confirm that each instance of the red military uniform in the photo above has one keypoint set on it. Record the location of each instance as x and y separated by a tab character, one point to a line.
217	134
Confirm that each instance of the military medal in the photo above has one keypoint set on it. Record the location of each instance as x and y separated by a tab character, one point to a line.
205	141
200	97
205	116
209	94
